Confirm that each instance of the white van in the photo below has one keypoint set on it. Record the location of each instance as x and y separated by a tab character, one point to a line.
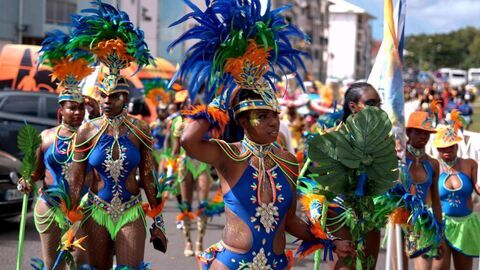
455	77
473	75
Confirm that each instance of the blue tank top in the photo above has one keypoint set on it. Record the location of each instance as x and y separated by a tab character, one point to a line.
262	219
421	189
454	202
114	172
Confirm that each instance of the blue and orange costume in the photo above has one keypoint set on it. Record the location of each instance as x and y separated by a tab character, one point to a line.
262	219
69	67
461	223
113	206
238	48
114	41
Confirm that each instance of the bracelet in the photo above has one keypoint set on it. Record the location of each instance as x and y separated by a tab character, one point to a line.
332	237
160	223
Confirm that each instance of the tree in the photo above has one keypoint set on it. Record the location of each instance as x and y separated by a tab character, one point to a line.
457	49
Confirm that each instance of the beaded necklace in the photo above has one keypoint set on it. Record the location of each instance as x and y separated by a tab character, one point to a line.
69	149
448	165
416	153
115	123
250	146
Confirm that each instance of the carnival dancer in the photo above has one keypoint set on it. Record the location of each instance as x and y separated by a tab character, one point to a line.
457	181
357	162
191	172
421	180
115	145
237	47
174	155
54	156
356	98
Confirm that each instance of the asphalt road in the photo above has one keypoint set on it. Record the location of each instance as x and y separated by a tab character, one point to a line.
174	258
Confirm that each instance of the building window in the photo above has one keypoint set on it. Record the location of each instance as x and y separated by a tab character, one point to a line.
59	11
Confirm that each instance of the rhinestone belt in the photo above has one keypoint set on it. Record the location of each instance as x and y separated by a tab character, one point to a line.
115	208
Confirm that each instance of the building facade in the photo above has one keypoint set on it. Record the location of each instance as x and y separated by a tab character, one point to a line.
312	17
27	21
350	41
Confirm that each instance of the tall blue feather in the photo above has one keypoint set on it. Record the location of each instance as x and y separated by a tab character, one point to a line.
213	28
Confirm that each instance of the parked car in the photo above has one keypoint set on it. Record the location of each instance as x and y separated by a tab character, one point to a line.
10	197
38	109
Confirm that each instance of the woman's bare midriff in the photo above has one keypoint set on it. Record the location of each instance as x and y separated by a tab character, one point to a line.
237	236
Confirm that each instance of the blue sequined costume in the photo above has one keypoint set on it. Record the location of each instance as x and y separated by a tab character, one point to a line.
262	219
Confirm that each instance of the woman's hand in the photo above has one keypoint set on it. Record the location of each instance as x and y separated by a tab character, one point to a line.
442	249
24	186
344	248
92	107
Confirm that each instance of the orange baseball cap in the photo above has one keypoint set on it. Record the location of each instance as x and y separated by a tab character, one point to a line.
421	120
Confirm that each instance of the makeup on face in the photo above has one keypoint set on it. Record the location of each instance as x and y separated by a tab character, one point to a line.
73	113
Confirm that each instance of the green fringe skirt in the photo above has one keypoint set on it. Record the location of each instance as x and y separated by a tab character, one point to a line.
463	234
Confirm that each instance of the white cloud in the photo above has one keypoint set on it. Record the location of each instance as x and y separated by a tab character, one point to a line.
441	16
427	16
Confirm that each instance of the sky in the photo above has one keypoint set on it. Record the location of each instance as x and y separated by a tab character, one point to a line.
427	16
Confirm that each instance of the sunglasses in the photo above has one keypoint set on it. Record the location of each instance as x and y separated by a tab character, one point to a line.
373	102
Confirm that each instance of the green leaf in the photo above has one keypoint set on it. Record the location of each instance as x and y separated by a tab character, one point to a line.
28	141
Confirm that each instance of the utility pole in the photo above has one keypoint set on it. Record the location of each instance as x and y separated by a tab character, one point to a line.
20	22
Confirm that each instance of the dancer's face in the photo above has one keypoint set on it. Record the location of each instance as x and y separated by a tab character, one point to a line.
261	126
418	138
113	104
448	153
369	97
72	113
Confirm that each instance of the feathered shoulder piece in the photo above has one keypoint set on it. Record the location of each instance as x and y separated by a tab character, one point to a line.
111	36
237	45
67	65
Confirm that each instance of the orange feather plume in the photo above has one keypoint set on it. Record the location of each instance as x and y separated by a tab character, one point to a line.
399	216
78	69
434	106
72	215
256	55
185	215
217	117
290	259
316	230
113	46
154	212
158	94
456	118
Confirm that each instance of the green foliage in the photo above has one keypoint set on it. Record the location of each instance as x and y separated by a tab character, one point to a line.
362	144
28	141
457	49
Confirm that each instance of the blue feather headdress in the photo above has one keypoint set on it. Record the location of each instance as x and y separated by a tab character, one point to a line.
112	37
237	46
69	66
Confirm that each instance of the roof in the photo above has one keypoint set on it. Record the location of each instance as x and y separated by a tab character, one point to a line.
341	6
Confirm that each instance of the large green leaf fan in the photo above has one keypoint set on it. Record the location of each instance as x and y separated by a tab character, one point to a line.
358	157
